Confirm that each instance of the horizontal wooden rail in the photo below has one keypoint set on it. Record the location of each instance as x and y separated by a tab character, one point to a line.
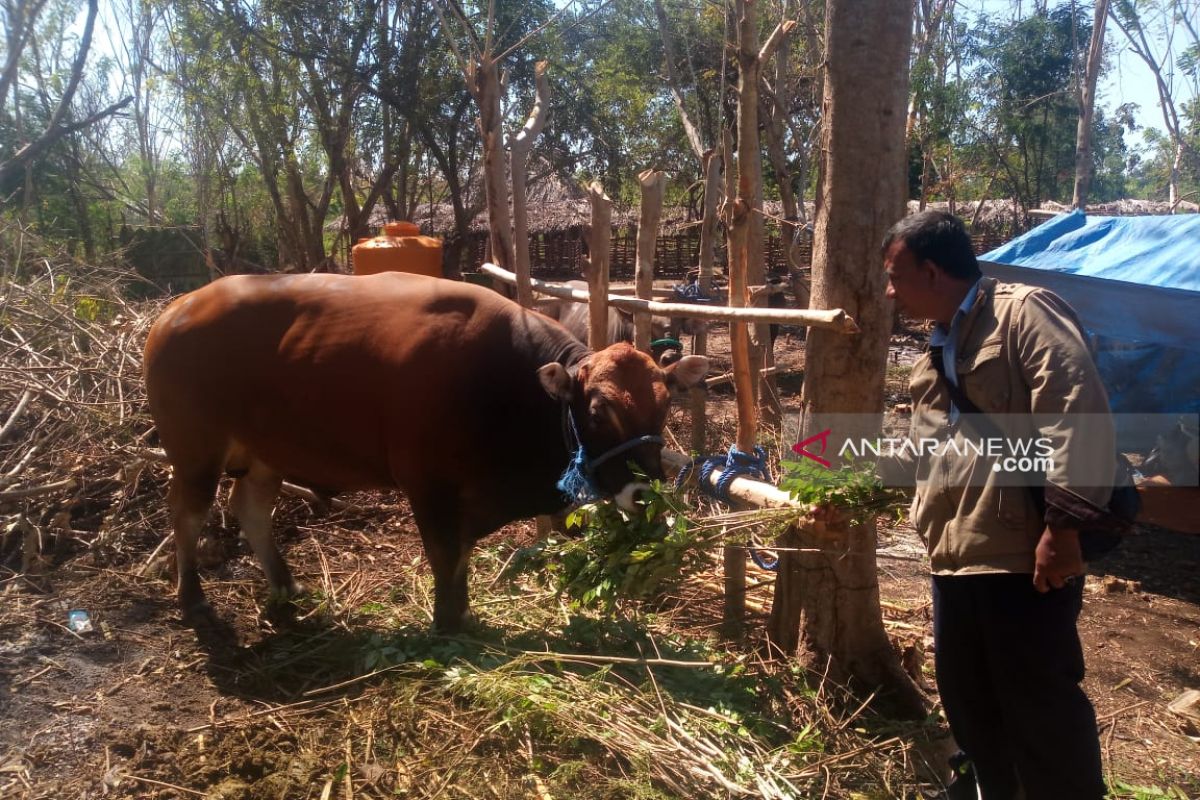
834	319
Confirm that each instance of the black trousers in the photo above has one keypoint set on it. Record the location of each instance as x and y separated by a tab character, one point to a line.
1009	663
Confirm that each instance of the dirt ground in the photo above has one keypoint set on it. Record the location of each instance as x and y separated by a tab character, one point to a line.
142	706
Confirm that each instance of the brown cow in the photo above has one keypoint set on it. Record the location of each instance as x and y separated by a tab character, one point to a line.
460	398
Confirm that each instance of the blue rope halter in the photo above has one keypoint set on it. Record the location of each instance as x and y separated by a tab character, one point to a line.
578	481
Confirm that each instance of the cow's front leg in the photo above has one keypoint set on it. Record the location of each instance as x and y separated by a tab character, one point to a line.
449	552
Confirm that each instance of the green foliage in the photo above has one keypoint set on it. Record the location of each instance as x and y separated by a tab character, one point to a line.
852	487
617	555
1027	111
93	309
1121	789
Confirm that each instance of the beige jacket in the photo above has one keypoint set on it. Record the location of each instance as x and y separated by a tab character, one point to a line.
1019	352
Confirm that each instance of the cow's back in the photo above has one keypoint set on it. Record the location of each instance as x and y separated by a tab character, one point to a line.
342	382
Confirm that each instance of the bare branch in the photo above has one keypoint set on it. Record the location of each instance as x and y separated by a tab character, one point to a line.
34	151
775	39
689	128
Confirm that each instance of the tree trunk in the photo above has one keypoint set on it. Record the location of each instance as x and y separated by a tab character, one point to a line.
737	231
673	83
744	225
521	145
697	396
750	60
1087	108
486	88
836	590
776	134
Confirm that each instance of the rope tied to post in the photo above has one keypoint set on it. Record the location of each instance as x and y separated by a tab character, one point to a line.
690	293
734	464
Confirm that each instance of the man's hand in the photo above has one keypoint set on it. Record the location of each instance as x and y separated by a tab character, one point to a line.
1058	558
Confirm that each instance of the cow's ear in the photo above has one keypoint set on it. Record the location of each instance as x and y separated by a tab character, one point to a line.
555	380
687	372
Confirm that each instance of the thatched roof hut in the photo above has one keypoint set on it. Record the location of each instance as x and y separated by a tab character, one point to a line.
560	215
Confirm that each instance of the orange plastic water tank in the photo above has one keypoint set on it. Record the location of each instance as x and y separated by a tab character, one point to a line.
400	248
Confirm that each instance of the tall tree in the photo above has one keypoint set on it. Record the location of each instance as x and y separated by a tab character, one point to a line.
1152	30
861	193
138	24
20	20
481	57
926	112
1087	106
1026	71
791	111
416	84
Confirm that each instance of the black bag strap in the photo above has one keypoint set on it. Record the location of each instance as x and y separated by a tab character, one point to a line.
1123	506
983	423
957	395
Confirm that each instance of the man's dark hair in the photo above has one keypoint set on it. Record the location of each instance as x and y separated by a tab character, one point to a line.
940	237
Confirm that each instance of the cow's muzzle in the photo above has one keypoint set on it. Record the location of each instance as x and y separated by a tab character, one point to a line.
578	481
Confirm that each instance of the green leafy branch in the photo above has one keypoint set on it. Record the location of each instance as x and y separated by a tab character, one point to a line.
618	554
853	487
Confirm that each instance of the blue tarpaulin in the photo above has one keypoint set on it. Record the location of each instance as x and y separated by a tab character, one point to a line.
1147	251
1135	283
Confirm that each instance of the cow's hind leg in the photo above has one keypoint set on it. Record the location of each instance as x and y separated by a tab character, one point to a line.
190	497
252	501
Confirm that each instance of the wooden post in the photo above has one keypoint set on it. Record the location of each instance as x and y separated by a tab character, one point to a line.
771	406
652	199
597	266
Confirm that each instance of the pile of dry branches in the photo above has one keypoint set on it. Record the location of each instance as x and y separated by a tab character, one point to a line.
72	406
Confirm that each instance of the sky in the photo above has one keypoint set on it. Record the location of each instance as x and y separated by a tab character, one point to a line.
1128	79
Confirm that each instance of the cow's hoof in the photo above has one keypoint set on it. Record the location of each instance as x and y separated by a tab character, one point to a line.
198	613
282	595
454	624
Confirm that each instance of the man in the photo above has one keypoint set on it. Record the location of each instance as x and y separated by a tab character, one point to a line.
1007	566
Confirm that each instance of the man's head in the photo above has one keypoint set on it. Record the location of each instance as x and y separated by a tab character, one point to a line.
930	264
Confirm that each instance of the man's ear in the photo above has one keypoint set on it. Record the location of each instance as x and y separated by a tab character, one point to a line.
555	380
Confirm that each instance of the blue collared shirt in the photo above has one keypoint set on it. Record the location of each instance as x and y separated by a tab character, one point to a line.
947	339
